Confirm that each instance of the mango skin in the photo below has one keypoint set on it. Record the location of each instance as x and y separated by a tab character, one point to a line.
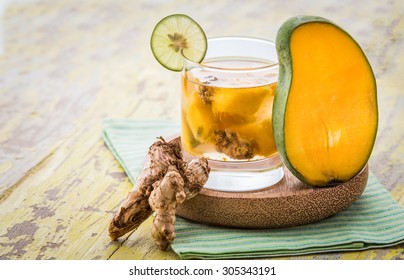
283	88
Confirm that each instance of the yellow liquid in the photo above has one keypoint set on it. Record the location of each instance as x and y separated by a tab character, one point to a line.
228	116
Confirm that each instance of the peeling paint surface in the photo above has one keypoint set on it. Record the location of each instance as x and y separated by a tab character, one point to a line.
67	65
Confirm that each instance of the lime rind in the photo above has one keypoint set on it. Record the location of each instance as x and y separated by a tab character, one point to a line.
161	44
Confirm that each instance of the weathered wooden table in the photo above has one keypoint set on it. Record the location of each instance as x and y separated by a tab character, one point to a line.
67	65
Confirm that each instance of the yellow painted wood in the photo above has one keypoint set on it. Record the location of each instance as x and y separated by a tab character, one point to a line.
66	65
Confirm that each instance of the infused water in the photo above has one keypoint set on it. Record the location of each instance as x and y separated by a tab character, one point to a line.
227	109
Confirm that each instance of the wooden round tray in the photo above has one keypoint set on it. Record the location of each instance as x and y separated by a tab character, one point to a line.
288	203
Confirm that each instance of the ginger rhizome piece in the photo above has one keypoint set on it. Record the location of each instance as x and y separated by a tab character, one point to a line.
233	145
165	181
163	200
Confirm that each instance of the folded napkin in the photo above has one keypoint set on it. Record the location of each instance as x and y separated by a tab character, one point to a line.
375	220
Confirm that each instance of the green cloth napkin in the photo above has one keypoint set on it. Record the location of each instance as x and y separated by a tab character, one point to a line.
375	220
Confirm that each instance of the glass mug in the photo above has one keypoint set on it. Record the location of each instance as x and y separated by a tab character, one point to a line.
226	112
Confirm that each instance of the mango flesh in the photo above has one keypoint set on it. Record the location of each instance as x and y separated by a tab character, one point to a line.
187	137
327	123
238	101
199	118
260	135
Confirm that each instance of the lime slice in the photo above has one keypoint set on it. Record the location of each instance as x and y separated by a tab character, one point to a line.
175	37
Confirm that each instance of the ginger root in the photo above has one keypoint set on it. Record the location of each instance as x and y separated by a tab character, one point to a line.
163	200
233	145
205	94
166	180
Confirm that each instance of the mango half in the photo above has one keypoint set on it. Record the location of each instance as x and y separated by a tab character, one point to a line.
325	114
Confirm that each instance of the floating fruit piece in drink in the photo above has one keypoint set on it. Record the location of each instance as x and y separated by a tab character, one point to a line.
260	135
240	101
227	119
187	136
187	90
265	110
199	118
